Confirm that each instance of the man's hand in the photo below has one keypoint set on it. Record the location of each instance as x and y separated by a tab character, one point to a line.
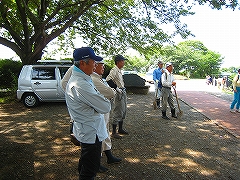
119	90
173	83
157	81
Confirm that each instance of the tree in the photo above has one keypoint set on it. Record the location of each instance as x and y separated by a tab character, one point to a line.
193	58
28	26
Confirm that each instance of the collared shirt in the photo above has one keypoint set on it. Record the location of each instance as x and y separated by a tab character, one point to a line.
116	75
102	87
157	73
86	107
167	79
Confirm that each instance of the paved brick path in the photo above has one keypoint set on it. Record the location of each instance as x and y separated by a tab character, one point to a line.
204	99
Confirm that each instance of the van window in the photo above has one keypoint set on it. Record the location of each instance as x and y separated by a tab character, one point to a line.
63	71
43	73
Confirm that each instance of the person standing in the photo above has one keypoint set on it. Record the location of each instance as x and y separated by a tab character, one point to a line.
86	106
157	73
236	96
109	93
115	80
167	96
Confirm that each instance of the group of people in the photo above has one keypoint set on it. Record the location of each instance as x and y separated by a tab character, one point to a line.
91	102
163	82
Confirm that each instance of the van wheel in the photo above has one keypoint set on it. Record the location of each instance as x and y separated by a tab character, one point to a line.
30	100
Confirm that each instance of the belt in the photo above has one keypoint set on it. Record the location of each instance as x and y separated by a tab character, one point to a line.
166	87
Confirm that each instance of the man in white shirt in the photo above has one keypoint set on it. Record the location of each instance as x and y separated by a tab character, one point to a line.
167	96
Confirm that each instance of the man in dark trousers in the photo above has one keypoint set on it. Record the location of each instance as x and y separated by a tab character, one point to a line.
86	106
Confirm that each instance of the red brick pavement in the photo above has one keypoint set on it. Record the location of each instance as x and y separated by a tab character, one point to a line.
214	108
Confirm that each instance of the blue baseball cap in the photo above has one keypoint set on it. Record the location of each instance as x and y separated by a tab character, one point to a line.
84	53
119	58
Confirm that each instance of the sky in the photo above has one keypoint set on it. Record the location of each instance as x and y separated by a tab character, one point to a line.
218	30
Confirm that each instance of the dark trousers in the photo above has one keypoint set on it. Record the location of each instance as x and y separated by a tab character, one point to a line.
89	161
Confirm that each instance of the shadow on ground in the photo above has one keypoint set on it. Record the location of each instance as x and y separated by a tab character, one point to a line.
34	144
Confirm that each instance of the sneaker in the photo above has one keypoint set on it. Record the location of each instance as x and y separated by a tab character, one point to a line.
232	111
238	110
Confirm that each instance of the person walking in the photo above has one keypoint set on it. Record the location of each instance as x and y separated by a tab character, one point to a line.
115	80
236	96
109	93
86	106
167	96
157	73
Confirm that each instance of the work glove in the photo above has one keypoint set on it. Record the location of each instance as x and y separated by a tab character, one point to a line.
157	81
119	90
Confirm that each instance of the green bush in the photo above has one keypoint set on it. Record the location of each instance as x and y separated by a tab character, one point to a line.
9	72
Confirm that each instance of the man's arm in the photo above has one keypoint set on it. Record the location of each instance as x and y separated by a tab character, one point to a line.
66	78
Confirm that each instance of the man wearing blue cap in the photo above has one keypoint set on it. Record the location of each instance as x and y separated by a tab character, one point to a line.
86	107
115	80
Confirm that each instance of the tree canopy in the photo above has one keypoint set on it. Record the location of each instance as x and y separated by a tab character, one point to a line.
193	59
28	26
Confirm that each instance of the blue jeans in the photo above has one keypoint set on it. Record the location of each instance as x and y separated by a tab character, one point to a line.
236	99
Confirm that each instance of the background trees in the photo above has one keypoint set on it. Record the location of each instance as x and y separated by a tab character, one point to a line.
27	27
192	58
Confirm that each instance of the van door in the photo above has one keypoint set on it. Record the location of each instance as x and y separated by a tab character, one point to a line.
44	83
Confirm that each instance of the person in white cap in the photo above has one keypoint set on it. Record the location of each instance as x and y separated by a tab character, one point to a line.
109	93
167	96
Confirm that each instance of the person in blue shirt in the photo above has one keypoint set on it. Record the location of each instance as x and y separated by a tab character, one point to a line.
157	73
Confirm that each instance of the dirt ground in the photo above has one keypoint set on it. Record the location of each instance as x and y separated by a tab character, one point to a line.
34	144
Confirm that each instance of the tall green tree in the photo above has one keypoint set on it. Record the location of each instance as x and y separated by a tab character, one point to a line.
28	26
193	58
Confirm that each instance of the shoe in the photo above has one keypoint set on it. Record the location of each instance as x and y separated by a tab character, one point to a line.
165	117
122	131
113	160
238	110
232	111
116	136
174	116
102	169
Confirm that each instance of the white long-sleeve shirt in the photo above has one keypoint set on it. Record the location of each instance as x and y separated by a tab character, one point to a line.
167	79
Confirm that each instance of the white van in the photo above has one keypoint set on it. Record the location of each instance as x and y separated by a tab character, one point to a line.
42	82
